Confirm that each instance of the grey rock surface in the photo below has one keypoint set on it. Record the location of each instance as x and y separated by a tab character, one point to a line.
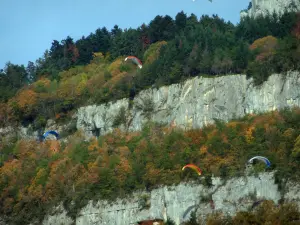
262	7
196	102
178	201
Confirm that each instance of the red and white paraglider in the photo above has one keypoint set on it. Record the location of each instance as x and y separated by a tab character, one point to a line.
135	60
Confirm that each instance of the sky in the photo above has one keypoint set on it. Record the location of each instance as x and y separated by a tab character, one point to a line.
28	27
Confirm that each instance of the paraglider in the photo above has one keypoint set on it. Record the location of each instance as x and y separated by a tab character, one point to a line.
194	167
257	203
135	60
261	158
50	132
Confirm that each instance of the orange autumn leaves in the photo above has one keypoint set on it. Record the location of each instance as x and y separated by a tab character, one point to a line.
265	213
266	47
120	162
74	84
97	82
25	98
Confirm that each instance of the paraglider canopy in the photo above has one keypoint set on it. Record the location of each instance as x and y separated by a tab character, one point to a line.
261	158
50	132
256	203
194	167
135	60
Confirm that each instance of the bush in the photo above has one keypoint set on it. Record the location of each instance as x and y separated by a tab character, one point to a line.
120	118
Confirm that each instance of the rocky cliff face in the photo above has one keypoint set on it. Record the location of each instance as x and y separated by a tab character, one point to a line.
11	133
191	104
262	7
177	202
194	103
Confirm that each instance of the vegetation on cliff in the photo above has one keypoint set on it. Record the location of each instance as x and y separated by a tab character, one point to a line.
266	213
92	69
36	176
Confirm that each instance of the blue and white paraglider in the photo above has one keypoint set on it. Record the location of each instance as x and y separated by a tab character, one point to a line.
261	158
52	132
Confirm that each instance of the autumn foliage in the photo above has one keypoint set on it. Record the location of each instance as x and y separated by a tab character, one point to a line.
41	175
152	53
266	213
44	98
266	47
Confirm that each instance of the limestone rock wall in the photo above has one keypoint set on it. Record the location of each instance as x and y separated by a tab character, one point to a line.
177	202
262	7
195	103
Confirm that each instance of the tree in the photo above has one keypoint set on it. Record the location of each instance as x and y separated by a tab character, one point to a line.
116	31
180	21
68	54
31	72
144	36
161	29
127	43
101	40
85	50
265	46
241	57
191	22
56	50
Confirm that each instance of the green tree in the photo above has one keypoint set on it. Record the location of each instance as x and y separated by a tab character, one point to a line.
180	21
162	29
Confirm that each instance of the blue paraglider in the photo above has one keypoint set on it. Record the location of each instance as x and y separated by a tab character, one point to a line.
50	132
261	158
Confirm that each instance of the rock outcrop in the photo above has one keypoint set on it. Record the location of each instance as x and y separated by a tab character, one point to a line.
11	133
262	7
177	202
191	104
194	103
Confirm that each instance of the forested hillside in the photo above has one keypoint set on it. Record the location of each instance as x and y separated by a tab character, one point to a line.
92	69
42	175
36	176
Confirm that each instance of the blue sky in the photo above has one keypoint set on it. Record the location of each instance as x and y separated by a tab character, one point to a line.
28	27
